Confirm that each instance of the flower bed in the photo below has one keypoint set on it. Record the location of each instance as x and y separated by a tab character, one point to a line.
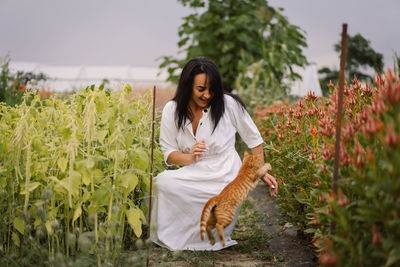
300	142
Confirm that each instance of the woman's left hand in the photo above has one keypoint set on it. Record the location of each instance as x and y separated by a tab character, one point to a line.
271	181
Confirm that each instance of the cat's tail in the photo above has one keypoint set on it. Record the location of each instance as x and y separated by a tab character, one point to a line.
205	214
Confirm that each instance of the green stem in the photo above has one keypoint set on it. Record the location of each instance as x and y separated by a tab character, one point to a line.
27	174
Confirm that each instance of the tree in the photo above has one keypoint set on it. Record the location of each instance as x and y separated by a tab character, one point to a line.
233	31
359	54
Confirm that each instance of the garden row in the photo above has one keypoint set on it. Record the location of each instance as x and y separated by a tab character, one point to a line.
74	172
360	226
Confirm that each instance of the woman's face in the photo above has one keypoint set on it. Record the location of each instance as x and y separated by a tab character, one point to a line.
201	94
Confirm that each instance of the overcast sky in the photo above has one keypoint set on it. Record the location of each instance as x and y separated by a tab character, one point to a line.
137	32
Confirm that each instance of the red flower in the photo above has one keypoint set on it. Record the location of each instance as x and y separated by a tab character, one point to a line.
342	199
391	139
22	87
327	258
376	237
297	131
328	152
359	152
305	148
313	131
330	84
321	198
312	155
310	96
289	123
372	126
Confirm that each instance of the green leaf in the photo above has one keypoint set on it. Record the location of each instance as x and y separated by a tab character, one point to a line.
133	216
142	161
19	225
62	164
90	163
101	135
77	212
129	181
394	257
32	186
16	239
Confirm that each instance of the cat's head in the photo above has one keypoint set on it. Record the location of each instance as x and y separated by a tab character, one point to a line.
252	161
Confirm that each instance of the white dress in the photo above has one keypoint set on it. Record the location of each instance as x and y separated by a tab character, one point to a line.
180	195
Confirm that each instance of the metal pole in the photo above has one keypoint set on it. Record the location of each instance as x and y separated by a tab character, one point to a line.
151	167
339	114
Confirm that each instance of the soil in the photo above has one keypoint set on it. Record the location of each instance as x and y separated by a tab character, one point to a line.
284	241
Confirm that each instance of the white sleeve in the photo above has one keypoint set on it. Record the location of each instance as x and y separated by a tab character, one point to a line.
243	123
168	131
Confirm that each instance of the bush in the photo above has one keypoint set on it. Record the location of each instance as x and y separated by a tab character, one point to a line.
13	85
300	146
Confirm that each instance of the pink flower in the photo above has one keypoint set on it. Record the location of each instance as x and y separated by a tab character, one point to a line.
376	237
312	156
342	199
372	126
391	139
297	131
313	131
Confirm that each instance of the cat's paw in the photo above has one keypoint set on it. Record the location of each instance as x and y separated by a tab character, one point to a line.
264	169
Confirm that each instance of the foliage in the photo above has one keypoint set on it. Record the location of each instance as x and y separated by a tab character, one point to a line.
74	172
13	85
359	54
232	31
300	142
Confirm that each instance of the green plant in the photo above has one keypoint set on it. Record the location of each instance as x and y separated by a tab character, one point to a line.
13	85
232	31
74	172
300	144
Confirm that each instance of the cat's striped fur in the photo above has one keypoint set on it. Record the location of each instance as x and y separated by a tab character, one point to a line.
219	211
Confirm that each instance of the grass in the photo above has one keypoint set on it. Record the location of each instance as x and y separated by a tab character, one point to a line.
252	246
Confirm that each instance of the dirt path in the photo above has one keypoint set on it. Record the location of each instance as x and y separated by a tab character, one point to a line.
283	242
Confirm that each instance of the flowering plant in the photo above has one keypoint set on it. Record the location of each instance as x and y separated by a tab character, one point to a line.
300	142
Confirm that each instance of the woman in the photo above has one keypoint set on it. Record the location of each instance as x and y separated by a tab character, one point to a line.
198	128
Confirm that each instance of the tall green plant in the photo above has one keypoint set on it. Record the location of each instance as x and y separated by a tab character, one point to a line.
230	31
74	172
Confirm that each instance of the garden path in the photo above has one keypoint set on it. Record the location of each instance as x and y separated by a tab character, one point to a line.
290	249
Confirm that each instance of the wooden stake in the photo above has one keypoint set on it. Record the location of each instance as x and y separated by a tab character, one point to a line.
339	115
151	167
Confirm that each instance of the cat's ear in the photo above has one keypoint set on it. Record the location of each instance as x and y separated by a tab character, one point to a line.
245	153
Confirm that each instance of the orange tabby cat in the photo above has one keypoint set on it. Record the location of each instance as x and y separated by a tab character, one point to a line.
220	210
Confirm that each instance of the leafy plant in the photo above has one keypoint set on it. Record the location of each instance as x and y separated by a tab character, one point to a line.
74	172
232	31
300	144
13	85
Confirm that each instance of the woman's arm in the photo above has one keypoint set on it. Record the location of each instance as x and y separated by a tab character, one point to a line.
182	159
267	178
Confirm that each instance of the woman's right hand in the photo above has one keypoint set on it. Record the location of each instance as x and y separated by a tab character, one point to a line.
197	150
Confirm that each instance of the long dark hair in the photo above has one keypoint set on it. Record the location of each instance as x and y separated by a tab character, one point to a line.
184	92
